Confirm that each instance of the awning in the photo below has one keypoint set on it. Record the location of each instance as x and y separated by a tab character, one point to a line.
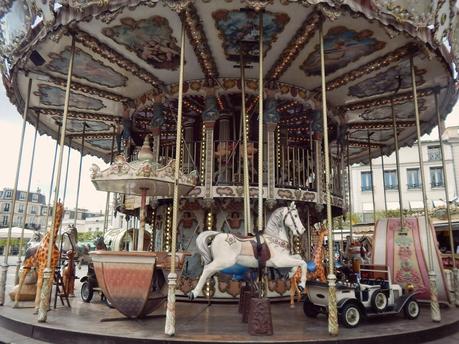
393	206
439	203
414	205
16	233
367	207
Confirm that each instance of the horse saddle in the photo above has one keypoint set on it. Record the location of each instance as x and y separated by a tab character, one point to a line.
261	251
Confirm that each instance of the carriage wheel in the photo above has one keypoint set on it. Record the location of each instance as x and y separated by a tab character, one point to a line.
350	315
310	309
86	292
379	301
411	310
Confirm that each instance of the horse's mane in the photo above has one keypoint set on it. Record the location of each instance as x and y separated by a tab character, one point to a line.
273	225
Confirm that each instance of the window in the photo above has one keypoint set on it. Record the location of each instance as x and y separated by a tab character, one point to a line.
34	210
436	177
35	197
390	180
8	194
367	183
21	208
434	153
6	207
19	220
5	220
22	196
413	178
1	194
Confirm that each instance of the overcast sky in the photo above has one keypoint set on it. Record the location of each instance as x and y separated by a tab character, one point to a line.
10	125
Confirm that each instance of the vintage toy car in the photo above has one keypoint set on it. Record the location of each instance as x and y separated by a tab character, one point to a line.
373	294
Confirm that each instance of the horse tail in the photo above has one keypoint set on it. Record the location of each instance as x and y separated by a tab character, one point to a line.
203	247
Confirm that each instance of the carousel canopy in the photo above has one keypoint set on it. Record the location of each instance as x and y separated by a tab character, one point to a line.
127	59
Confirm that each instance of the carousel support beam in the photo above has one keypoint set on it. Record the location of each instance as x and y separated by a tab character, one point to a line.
372	179
349	189
52	177
4	273
79	174
332	309
245	162
26	207
47	274
397	165
260	127
434	306
107	201
384	181
172	278
448	210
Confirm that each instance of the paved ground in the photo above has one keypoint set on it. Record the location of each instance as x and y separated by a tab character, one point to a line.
195	319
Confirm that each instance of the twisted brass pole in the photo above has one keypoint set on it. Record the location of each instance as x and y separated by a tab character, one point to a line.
47	278
26	208
172	278
5	265
332	309
448	210
434	306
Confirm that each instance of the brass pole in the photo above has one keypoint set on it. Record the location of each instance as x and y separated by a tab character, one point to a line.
434	306
52	177
448	210
260	129
47	274
383	181
332	309
79	174
67	171
245	162
372	179
26	208
107	201
143	199
349	177
397	164
170	312
5	265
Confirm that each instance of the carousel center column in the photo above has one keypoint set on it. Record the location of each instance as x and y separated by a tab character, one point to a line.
157	121
209	116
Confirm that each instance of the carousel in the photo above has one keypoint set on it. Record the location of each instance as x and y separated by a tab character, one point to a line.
230	128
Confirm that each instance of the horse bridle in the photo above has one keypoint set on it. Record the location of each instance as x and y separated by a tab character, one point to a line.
293	220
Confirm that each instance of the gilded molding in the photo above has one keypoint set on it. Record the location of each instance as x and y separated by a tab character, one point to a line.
75	114
378	63
397	99
198	41
295	46
111	55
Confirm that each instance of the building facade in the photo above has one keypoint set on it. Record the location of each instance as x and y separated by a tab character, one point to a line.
385	183
36	212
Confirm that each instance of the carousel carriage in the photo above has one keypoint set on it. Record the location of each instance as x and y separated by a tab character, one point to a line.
342	82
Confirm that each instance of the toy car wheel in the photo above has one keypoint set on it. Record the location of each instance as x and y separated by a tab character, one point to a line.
350	315
411	309
379	301
86	292
310	309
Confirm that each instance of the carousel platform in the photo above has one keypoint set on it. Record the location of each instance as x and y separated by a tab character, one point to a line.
197	322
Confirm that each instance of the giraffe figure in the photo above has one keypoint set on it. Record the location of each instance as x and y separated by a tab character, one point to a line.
294	290
37	257
318	257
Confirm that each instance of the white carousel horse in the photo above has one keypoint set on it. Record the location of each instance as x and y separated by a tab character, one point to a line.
227	249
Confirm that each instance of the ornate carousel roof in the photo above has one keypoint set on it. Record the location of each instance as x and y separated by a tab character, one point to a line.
127	58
